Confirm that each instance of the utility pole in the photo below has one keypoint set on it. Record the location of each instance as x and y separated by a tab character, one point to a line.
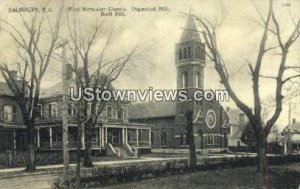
290	111
288	139
65	133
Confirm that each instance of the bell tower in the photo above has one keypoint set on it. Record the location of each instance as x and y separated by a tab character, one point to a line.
190	57
190	63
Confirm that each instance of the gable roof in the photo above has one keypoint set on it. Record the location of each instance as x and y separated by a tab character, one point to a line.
154	109
4	89
234	116
274	135
234	121
295	128
151	110
56	90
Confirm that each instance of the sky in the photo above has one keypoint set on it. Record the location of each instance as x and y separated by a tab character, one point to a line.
157	32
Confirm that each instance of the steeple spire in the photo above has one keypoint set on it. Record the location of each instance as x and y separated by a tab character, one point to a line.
190	32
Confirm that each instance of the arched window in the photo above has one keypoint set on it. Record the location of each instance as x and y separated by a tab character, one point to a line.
72	109
186	139
189	52
180	54
89	108
124	113
181	139
163	137
185	79
109	111
120	113
52	110
9	112
198	52
39	110
197	80
152	137
202	53
184	53
116	112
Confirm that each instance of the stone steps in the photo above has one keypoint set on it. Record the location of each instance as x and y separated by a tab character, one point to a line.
121	151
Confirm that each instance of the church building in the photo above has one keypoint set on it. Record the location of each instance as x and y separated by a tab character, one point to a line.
168	118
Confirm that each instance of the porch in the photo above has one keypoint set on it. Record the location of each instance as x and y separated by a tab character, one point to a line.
50	137
13	138
136	137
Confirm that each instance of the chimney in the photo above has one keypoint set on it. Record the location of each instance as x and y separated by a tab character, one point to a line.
294	121
69	72
241	118
80	73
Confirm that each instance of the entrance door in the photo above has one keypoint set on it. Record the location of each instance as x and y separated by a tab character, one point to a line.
114	135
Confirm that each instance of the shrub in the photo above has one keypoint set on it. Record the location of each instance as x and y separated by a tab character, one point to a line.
127	173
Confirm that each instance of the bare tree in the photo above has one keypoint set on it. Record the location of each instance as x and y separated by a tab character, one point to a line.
98	74
270	27
190	137
35	56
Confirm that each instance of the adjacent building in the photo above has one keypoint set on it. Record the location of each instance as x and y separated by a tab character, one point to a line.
237	123
112	128
12	129
290	137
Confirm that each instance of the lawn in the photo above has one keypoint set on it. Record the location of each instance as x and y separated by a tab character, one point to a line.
285	176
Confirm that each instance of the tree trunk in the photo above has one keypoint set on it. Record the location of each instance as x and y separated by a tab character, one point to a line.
190	139
31	165
87	162
262	160
78	151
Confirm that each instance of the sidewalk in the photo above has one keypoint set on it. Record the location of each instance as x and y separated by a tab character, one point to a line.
54	169
58	169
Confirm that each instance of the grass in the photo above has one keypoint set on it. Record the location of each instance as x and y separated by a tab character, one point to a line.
285	176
